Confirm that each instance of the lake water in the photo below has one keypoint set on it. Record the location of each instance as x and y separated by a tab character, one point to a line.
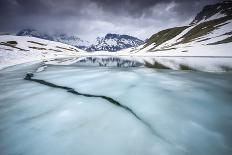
116	106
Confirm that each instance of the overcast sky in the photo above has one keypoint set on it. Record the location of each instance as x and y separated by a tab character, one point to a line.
91	18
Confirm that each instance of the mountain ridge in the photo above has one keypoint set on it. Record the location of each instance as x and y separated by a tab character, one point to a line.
59	37
222	9
110	42
115	42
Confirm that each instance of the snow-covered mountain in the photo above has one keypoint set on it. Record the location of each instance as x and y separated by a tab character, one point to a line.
209	34
35	33
72	40
115	42
111	42
214	11
61	37
21	49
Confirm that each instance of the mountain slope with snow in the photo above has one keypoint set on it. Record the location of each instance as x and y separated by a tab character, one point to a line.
209	35
61	37
115	42
21	49
214	11
35	33
111	42
72	40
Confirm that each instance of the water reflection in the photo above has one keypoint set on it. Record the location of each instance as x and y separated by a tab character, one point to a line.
175	63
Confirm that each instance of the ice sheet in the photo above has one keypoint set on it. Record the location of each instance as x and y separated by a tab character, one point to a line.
181	112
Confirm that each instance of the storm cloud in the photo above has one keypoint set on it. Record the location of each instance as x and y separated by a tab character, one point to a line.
91	18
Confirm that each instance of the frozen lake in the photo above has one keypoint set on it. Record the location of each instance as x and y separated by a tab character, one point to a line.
78	107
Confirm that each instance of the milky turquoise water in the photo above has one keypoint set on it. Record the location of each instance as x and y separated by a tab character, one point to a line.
159	111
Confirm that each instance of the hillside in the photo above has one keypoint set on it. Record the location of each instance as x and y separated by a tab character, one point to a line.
21	49
214	11
209	34
58	37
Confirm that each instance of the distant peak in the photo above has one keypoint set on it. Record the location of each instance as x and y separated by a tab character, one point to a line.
119	36
28	29
111	35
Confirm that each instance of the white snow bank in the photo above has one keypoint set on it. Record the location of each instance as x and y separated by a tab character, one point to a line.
30	49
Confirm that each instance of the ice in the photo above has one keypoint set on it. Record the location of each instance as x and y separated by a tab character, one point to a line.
171	112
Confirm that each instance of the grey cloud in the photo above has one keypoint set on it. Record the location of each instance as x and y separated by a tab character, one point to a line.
90	18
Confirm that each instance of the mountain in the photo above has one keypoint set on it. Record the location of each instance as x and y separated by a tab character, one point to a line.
63	38
214	11
115	42
35	33
72	40
111	42
209	34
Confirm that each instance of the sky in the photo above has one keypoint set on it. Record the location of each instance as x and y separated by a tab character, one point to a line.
89	19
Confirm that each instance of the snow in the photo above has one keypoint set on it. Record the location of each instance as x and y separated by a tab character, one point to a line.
206	64
174	40
111	42
203	50
218	34
220	50
115	42
216	16
197	48
71	40
11	56
186	112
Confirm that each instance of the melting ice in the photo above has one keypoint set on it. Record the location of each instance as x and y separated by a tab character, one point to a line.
157	111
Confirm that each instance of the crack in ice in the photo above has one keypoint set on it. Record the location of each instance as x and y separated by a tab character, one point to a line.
109	99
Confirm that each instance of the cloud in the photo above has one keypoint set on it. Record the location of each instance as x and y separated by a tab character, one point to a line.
91	18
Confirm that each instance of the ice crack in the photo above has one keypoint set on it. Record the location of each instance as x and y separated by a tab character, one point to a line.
29	77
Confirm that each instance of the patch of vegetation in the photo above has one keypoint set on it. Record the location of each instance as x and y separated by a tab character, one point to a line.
156	65
37	48
203	39
184	51
12	46
56	50
14	43
37	43
204	29
64	48
164	36
7	49
185	67
227	40
164	49
74	49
